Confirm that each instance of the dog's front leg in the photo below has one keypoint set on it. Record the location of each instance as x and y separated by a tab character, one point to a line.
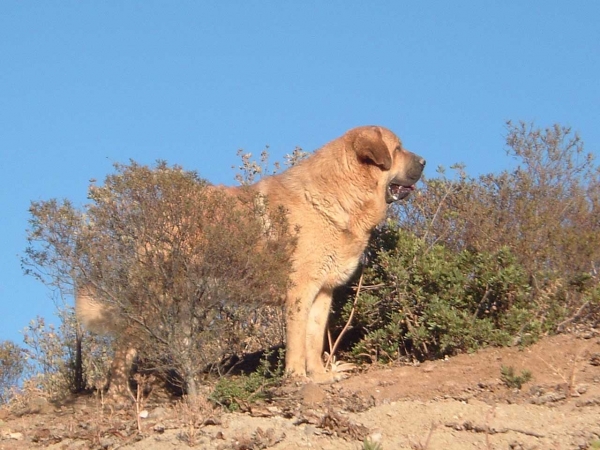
315	335
299	301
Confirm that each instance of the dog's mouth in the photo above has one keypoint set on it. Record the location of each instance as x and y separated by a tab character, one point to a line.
397	192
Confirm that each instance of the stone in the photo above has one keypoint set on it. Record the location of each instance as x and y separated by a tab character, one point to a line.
312	394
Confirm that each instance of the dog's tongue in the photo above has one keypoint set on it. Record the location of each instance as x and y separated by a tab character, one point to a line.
396	188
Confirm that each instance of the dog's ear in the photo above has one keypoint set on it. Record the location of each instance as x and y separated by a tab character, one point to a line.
369	147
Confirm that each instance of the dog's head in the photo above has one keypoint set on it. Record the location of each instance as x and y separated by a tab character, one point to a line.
398	168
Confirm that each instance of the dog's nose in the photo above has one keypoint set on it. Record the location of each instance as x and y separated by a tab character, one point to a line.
422	162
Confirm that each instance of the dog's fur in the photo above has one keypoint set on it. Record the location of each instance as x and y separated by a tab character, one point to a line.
334	198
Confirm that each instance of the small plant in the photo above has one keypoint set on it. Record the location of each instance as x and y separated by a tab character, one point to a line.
194	413
369	444
140	396
235	392
511	379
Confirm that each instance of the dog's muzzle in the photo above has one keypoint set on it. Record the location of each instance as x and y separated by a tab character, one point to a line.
397	192
401	187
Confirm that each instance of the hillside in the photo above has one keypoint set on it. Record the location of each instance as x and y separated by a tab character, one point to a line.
454	404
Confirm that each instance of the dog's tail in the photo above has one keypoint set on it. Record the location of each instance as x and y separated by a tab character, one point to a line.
95	315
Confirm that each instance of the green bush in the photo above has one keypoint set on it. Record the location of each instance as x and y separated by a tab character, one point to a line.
432	302
495	260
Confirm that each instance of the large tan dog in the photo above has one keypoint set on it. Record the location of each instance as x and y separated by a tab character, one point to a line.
335	198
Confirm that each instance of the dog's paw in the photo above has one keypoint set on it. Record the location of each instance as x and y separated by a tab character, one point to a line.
297	377
327	377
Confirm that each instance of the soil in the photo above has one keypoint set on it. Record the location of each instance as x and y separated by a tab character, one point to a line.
455	404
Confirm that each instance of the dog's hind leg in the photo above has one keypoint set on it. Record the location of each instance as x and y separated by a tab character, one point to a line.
120	372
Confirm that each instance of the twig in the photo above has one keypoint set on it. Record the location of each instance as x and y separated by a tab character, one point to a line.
468	426
138	398
433	427
481	303
491	413
433	219
560	326
570	379
333	349
425	446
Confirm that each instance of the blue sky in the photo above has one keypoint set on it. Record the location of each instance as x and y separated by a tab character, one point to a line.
87	84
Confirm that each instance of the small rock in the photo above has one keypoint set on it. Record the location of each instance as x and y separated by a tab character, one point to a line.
144	414
376	437
536	390
38	405
75	445
588	402
159	413
107	442
309	430
159	428
551	397
15	436
312	394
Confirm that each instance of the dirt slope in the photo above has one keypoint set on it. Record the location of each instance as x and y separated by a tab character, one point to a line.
459	403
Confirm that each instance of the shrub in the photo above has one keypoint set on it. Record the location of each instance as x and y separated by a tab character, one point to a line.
497	259
433	302
185	268
12	366
62	358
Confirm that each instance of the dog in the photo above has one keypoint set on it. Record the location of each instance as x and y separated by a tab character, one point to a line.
334	198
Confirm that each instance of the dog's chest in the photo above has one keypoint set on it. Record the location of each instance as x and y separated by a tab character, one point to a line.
341	262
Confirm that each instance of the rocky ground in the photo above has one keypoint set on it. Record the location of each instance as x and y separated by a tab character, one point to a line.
458	403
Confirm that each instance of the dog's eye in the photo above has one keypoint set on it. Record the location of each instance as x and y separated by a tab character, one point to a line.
398	149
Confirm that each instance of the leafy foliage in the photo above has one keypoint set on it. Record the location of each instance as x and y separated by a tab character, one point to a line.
493	260
237	391
437	302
